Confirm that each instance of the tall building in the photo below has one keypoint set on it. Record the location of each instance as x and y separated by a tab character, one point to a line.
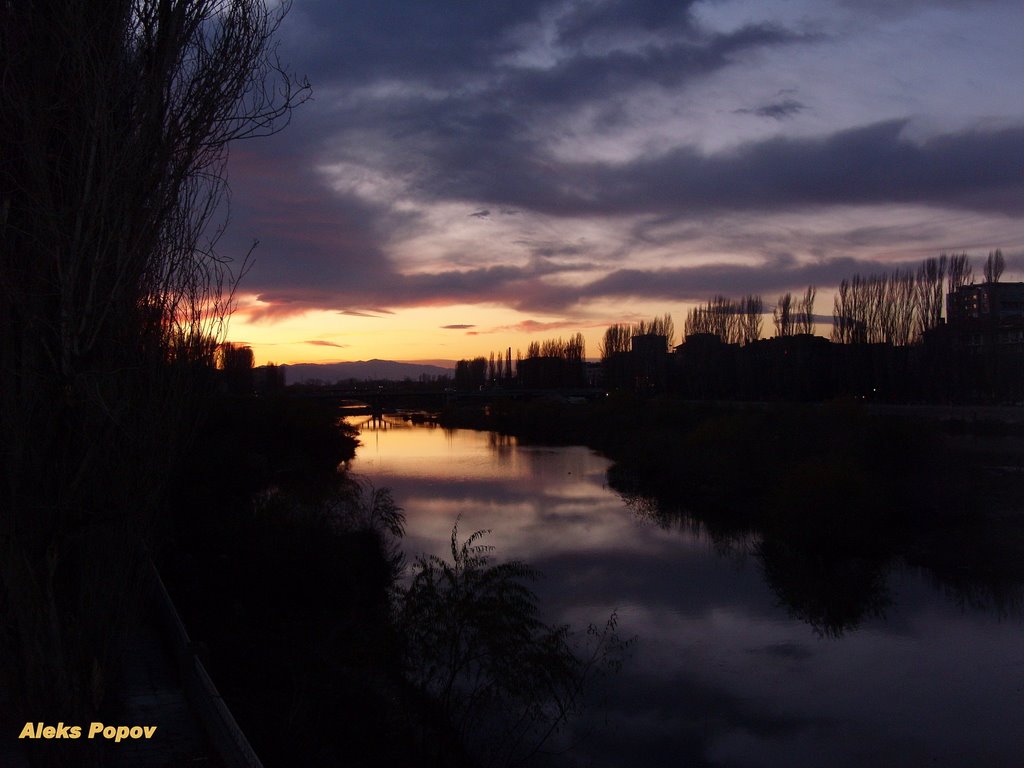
981	349
987	315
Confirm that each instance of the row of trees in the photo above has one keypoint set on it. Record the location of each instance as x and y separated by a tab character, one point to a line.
741	321
618	338
497	370
734	322
901	306
896	308
572	350
794	316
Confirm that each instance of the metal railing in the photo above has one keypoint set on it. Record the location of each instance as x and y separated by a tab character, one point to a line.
224	733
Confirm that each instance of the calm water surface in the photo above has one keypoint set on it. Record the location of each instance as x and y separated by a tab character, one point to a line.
720	673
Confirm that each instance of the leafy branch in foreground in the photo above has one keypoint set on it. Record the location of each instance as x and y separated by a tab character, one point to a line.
505	681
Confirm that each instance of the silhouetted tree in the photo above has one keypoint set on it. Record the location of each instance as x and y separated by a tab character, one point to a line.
850	312
115	123
887	308
616	340
804	320
698	321
576	349
750	318
842	320
994	266
475	644
930	279
726	320
236	362
234	357
901	302
554	363
959	273
658	326
783	316
471	375
720	317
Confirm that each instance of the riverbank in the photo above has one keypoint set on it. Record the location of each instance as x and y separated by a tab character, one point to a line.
832	494
283	570
751	650
289	573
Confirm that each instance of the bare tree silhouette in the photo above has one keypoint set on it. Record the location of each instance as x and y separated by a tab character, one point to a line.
115	119
960	272
784	316
930	279
994	266
805	311
616	340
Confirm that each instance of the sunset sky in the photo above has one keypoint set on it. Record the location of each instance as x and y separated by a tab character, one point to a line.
474	176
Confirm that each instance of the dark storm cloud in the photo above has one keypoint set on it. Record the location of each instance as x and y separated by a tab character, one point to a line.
494	130
440	101
778	110
379	284
524	289
325	249
465	151
615	17
406	39
696	283
876	164
319	248
889	9
591	77
453	43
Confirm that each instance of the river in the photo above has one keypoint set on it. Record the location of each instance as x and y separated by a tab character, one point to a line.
721	672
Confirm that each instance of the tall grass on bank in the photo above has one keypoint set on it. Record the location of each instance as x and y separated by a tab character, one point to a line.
474	643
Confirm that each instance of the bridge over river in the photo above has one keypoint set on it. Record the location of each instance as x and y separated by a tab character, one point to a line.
367	400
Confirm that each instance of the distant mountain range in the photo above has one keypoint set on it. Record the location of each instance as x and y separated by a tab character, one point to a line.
362	370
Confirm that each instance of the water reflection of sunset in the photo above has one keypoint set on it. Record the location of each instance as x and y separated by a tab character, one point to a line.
416	451
521	493
722	671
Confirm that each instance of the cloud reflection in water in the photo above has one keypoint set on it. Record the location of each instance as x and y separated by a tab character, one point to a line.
721	674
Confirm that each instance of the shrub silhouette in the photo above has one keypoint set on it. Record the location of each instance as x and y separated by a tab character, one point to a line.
506	681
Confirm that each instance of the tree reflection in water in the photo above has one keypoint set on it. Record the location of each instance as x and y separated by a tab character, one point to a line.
832	570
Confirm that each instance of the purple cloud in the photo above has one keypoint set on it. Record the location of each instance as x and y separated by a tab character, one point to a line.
490	108
322	343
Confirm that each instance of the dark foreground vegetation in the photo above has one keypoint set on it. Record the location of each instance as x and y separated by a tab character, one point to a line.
828	497
115	119
285	582
121	438
289	573
126	432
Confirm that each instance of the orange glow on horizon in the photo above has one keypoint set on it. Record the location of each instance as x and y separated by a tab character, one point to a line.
410	334
419	334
